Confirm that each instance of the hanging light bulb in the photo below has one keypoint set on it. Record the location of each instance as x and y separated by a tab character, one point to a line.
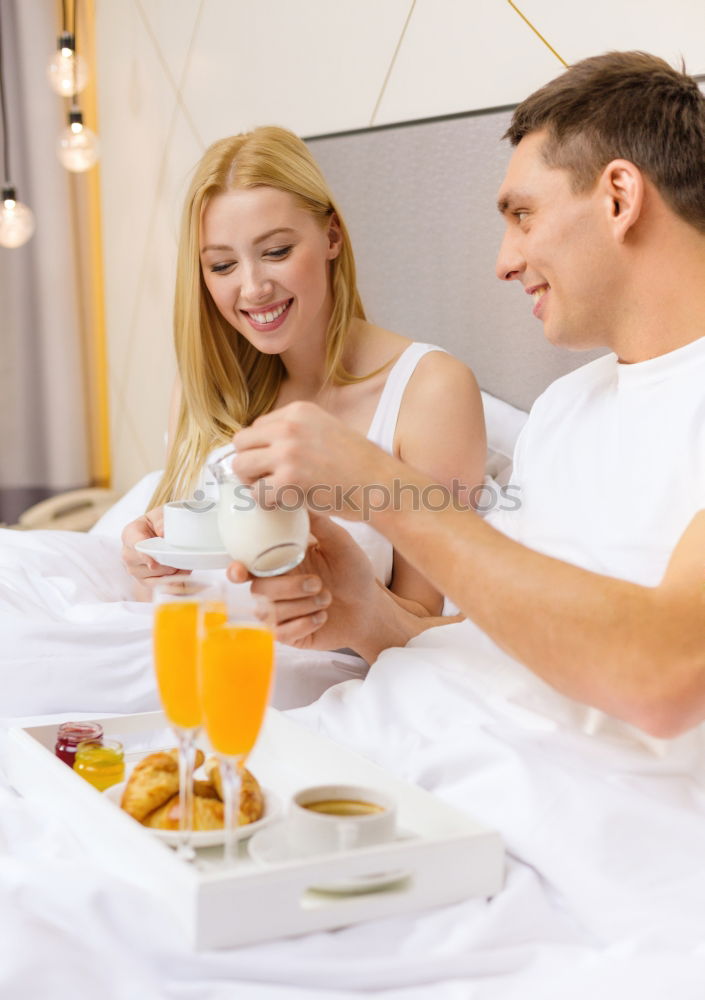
67	72
16	220
78	147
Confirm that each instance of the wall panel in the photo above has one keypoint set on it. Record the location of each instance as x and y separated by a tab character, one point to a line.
460	56
672	30
312	65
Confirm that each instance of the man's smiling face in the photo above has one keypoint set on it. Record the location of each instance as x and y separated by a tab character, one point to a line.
557	245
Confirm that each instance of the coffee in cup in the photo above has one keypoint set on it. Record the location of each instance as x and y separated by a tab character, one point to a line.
344	807
330	818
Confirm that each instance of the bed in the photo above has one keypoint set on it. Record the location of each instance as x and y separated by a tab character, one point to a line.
605	886
604	889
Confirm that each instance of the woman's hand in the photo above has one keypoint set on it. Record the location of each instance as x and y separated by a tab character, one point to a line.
320	604
332	600
145	571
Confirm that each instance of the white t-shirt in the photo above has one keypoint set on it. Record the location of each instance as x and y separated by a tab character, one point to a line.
611	464
611	469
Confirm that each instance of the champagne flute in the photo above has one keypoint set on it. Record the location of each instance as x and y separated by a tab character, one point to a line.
235	674
175	634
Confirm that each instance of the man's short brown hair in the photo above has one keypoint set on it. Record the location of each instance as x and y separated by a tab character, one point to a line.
623	105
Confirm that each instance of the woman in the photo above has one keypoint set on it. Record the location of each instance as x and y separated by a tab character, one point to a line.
267	311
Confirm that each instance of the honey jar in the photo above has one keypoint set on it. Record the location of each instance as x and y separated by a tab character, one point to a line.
101	764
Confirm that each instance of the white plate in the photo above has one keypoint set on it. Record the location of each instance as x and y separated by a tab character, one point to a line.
273	846
180	558
208	838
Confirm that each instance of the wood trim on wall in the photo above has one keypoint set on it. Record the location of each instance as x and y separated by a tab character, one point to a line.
85	214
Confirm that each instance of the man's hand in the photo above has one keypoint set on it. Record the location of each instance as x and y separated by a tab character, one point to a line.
332	600
145	571
303	446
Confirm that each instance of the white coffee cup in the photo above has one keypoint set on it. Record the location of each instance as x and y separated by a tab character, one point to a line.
331	818
192	524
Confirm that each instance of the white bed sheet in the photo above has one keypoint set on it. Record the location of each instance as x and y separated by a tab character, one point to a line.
73	639
605	891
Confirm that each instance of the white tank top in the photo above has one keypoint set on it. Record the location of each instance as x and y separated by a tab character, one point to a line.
381	432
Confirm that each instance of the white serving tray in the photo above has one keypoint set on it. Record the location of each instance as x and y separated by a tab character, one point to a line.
448	856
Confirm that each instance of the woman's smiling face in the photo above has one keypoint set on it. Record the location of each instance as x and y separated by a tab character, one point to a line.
265	262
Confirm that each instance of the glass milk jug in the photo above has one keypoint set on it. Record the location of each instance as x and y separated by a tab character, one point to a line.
267	541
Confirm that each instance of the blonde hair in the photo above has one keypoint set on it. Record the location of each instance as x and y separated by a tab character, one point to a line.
225	382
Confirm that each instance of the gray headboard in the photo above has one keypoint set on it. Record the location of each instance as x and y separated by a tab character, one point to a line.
420	202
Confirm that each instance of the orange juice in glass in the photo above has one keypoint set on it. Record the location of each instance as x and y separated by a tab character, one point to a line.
235	666
175	626
175	634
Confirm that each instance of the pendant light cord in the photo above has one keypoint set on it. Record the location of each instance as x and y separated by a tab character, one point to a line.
74	97
3	114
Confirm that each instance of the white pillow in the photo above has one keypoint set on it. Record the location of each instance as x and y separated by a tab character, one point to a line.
130	506
504	423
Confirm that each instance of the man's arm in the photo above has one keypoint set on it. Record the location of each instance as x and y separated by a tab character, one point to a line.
635	652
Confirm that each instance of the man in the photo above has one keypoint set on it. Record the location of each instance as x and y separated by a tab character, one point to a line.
600	589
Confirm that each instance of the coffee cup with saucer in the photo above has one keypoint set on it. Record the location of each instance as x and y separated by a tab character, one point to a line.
330	819
191	537
192	524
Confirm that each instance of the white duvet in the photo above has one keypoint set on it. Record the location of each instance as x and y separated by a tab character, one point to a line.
605	888
72	639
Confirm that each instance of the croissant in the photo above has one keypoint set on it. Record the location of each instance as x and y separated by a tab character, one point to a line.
154	780
207	814
152	794
208	810
251	798
205	789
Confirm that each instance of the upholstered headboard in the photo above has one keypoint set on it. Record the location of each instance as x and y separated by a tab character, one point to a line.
420	202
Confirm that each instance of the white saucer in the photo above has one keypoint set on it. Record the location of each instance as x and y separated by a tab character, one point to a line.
273	846
208	838
180	558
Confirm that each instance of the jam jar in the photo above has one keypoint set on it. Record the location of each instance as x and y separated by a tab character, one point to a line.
70	734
